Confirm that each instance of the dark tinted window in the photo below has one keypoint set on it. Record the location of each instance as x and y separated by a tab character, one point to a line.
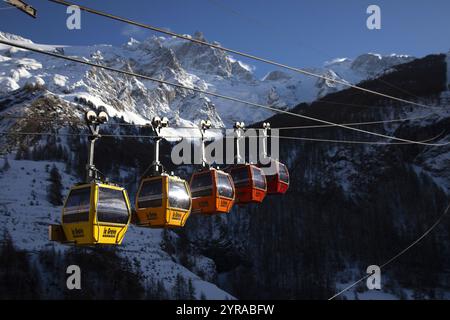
224	185
178	195
284	174
151	194
111	206
201	185
240	177
77	206
258	179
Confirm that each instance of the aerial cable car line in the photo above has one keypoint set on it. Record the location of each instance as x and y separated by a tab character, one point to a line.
4	133
398	255
59	120
337	141
240	53
131	136
64	121
23	6
354	141
365	123
366	106
275	110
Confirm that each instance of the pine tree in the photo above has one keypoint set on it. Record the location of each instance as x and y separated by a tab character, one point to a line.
6	165
166	243
162	291
191	290
180	289
54	191
18	280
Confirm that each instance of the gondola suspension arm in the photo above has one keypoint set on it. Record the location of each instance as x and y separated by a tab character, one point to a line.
239	128
93	121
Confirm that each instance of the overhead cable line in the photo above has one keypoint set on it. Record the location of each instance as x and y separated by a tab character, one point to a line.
240	53
65	121
138	136
217	95
132	136
398	255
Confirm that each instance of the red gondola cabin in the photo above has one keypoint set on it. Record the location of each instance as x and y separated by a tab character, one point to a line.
277	176
249	183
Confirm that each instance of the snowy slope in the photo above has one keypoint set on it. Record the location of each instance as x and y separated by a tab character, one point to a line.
180	62
26	214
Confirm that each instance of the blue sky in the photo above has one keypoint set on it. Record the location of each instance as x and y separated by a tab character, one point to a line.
296	32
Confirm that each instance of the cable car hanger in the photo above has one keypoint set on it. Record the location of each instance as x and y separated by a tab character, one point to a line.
276	173
95	211
93	122
157	125
249	181
212	189
204	125
163	200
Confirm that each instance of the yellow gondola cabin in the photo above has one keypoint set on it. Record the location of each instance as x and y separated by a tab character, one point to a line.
163	201
94	213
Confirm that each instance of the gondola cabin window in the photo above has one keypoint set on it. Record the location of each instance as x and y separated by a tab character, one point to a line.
240	177
224	186
202	185
111	206
77	206
151	194
179	196
284	175
258	178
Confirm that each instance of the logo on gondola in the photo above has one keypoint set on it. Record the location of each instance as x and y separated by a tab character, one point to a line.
109	233
77	233
176	216
152	216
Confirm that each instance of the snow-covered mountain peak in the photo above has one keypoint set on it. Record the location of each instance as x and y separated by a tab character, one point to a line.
277	75
13	37
373	64
181	62
338	61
